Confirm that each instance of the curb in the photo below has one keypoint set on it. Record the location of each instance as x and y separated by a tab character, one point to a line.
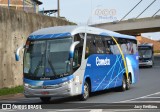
11	96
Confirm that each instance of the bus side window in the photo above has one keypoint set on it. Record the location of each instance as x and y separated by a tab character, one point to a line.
107	43
128	46
90	45
132	46
78	52
114	47
77	57
79	37
135	48
123	45
99	45
111	43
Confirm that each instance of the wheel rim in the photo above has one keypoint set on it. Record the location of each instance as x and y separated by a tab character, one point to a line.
86	91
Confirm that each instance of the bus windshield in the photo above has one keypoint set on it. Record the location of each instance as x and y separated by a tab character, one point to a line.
47	59
145	52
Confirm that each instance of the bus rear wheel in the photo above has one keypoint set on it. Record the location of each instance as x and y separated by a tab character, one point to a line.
45	99
124	84
128	83
86	92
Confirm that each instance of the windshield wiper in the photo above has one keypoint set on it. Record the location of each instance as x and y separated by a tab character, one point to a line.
38	66
50	63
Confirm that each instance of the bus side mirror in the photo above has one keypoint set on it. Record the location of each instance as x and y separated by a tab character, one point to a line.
71	54
72	48
17	56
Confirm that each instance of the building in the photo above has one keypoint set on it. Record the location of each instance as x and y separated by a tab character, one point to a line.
26	5
156	44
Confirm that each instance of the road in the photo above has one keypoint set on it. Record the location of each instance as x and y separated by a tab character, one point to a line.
147	90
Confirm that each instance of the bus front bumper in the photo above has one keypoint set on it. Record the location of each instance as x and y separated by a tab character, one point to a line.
48	91
146	63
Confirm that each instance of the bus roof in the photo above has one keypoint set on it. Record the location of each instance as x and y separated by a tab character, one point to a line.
65	31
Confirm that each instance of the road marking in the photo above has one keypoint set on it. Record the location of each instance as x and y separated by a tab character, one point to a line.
96	110
153	97
143	101
137	98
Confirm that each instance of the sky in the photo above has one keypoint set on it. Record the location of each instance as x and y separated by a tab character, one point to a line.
88	12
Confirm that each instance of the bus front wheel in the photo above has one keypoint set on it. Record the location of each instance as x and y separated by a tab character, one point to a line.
86	90
45	99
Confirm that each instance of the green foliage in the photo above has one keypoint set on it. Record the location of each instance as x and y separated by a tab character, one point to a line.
7	91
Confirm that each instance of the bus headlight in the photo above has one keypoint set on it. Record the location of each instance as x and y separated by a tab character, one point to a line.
149	61
26	85
67	82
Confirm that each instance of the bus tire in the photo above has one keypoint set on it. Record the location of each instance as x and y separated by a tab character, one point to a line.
86	92
124	84
128	83
45	99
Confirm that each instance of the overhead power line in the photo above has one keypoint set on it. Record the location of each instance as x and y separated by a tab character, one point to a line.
155	13
145	9
131	10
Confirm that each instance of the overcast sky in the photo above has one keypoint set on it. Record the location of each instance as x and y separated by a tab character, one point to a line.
85	12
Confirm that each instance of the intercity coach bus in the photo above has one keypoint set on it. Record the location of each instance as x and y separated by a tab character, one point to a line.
146	54
67	61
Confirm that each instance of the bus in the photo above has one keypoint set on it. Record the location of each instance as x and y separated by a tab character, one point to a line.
146	54
65	61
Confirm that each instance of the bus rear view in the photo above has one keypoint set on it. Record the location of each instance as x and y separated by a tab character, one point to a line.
146	57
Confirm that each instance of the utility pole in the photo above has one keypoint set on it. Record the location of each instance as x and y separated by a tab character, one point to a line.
58	8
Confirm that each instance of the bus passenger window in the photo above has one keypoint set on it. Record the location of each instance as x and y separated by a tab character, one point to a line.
90	45
99	45
134	48
123	45
77	57
107	43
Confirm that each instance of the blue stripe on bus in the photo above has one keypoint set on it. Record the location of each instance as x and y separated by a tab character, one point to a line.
49	36
47	82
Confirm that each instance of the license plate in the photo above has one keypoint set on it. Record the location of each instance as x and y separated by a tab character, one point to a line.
44	92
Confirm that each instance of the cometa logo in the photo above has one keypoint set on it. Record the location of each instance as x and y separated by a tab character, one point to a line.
102	62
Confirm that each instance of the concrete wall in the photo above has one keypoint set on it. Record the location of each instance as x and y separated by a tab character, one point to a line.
15	27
